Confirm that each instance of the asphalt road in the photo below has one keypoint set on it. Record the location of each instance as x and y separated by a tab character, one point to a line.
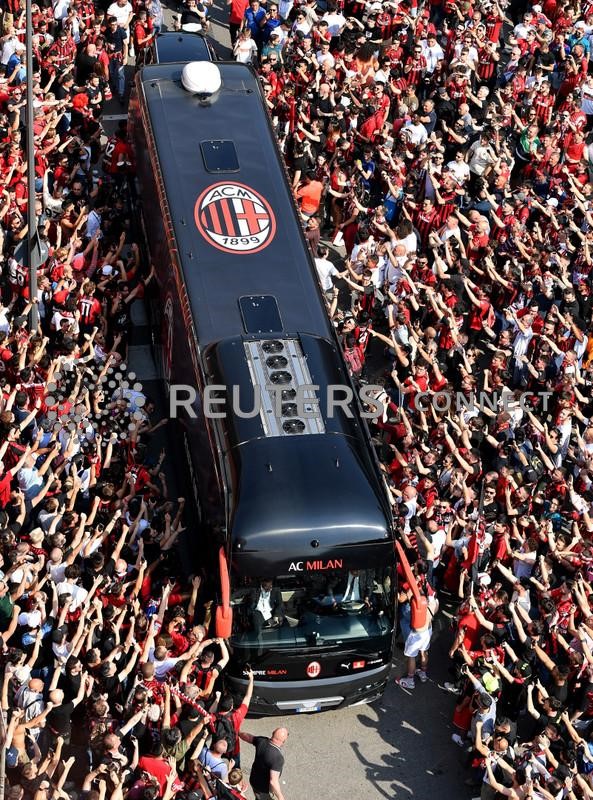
399	747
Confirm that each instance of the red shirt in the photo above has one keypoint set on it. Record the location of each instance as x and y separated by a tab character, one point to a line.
5	482
90	309
237	11
156	767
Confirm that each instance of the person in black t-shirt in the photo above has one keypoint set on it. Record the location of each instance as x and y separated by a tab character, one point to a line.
59	719
267	764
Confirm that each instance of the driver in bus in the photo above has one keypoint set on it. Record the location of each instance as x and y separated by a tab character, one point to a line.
265	606
348	590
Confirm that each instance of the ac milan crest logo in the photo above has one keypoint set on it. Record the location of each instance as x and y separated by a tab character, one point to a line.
234	218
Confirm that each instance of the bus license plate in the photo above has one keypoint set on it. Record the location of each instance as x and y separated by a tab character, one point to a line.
307	709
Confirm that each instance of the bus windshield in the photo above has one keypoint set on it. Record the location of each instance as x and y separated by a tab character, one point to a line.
313	609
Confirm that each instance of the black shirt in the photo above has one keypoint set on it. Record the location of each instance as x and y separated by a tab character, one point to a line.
85	66
59	718
70	685
114	39
268	757
193	17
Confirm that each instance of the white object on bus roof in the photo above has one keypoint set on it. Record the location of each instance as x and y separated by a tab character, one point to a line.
202	78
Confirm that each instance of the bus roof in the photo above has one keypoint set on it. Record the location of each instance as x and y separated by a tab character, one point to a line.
305	497
248	197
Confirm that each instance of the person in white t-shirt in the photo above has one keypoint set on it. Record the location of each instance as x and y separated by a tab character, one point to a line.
9	46
459	169
335	21
587	96
326	271
481	155
245	49
123	12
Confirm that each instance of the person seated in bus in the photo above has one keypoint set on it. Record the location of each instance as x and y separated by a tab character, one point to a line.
265	607
347	589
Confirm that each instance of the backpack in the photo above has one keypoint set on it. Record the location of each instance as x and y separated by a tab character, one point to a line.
224	792
224	729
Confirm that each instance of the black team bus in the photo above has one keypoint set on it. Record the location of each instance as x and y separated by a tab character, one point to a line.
291	514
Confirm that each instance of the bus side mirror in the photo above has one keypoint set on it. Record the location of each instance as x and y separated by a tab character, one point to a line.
223	622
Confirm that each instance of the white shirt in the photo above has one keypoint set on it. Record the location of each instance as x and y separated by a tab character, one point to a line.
448	233
8	49
587	98
121	13
438	542
93	223
325	58
416	134
161	668
410	242
521	343
335	22
304	26
56	572
472	53
459	170
61	9
480	158
245	51
325	270
352	592
523	569
4	323
521	30
79	594
32	619
432	55
285	7
62	651
263	604
136	400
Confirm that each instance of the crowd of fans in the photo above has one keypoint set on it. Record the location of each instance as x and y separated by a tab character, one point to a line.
109	675
445	146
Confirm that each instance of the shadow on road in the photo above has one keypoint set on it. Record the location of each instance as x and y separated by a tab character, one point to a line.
418	757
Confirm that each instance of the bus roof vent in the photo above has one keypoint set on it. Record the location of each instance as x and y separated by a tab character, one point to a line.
203	79
278	368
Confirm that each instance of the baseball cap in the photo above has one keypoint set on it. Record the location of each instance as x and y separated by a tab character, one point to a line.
552	202
490	682
107	269
524	669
